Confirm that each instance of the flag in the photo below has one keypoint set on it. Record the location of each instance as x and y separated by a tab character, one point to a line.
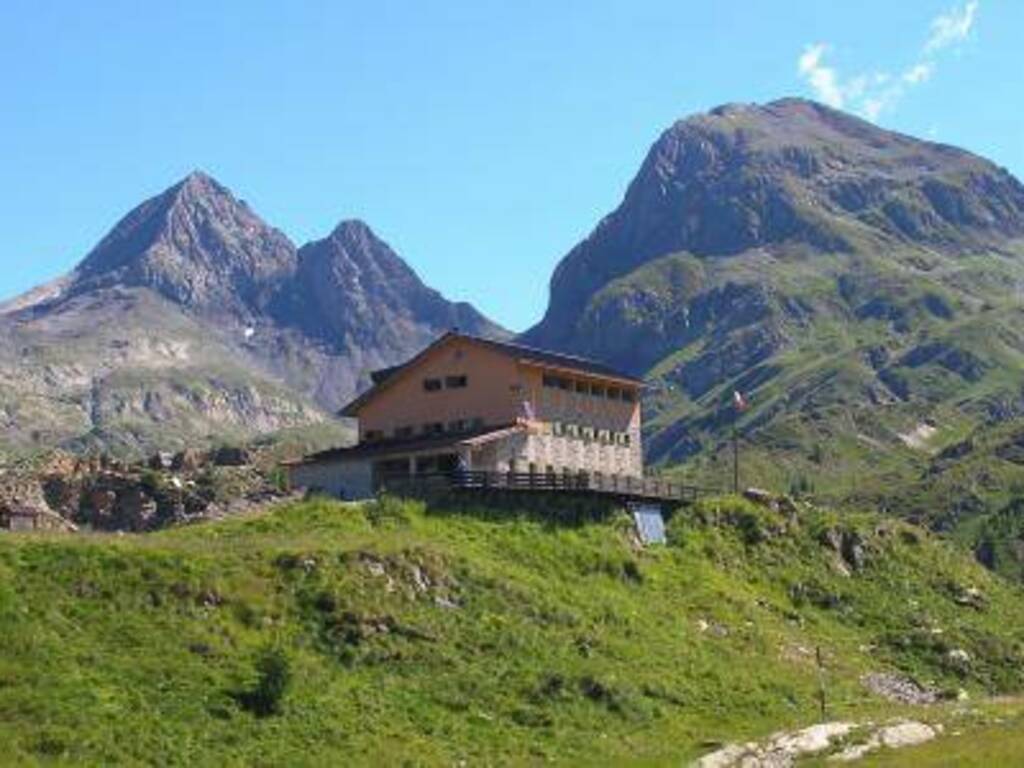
740	402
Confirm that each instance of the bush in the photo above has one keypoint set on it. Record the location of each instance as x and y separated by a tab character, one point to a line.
278	478
390	511
273	670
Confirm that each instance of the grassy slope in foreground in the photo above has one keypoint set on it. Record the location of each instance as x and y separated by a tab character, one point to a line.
437	637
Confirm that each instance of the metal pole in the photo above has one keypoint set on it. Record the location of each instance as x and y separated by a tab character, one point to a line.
735	455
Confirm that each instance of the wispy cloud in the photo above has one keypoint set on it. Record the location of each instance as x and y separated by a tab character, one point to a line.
871	94
951	27
822	79
919	73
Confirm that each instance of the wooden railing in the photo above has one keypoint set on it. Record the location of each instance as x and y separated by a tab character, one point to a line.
626	487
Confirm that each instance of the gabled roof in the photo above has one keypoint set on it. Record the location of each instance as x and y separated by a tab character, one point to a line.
555	359
386	376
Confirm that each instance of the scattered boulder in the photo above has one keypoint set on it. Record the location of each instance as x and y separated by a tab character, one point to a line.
786	749
780	750
188	460
102	501
970	597
135	509
849	545
899	688
985	553
832	539
761	497
231	456
902	734
958	659
714	628
160	460
853	550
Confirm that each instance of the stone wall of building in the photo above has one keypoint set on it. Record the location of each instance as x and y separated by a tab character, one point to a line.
559	453
540	450
341	479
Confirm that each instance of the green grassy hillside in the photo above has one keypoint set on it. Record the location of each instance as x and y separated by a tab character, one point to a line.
400	634
873	384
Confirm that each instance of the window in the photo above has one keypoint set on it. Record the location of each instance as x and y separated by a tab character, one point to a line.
557	382
557	428
582	387
476	423
587	433
431	385
456	382
629	395
372	435
572	430
597	390
403	432
613	393
622	438
459	425
433	428
604	435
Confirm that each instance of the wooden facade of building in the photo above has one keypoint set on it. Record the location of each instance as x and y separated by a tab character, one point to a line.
472	404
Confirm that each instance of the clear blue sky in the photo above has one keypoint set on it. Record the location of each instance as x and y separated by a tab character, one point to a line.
481	139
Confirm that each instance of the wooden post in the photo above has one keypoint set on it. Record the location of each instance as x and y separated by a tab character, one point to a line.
822	703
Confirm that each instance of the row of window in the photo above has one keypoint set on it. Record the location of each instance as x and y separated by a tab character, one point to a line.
458	426
459	381
430	429
587	388
590	434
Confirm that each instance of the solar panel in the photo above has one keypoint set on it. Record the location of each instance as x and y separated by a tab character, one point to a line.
650	525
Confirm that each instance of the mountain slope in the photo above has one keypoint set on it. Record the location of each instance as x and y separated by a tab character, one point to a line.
195	320
863	286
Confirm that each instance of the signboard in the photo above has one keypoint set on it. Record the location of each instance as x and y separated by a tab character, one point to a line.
650	525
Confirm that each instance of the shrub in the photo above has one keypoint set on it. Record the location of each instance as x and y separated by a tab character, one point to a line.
390	511
273	676
279	479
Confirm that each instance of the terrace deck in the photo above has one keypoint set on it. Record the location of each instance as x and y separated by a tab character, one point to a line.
626	489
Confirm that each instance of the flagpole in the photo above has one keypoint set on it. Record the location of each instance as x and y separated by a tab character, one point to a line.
735	453
739	405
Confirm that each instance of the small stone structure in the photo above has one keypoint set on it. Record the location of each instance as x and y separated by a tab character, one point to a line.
22	517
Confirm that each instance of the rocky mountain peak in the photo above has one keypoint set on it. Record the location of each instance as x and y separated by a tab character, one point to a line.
194	243
384	298
354	249
785	177
354	230
200	190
